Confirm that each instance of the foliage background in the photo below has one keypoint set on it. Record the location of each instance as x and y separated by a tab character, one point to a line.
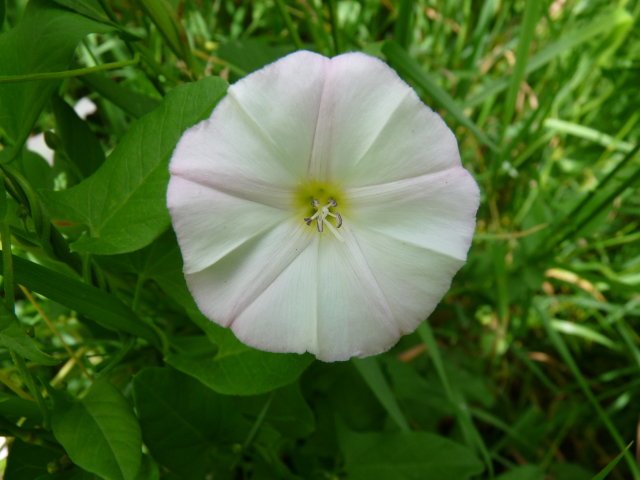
529	369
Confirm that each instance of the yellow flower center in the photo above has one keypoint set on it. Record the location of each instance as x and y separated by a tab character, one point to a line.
319	204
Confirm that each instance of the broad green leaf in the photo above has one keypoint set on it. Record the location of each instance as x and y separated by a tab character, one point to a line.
247	55
43	41
100	432
88	8
80	144
13	407
132	102
13	337
407	455
123	203
89	301
245	371
185	425
288	411
236	369
27	461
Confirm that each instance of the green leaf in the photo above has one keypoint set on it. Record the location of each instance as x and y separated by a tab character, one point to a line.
237	369
604	473
250	54
529	22
288	411
89	8
13	337
80	144
185	425
132	102
408	455
13	407
370	370
92	302
163	15
526	472
100	432
123	203
43	41
27	461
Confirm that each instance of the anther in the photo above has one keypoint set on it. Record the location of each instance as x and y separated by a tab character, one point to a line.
321	217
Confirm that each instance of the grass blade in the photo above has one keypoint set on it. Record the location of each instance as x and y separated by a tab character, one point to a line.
471	434
411	70
369	369
531	14
564	352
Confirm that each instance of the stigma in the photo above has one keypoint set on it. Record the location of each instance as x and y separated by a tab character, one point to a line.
321	217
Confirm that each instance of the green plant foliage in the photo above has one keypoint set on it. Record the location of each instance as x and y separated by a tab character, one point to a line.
187	427
529	369
99	432
43	41
378	456
123	203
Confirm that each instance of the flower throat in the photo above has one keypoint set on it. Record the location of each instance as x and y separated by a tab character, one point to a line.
322	200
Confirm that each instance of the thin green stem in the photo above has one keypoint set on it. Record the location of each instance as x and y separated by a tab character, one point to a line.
68	73
7	258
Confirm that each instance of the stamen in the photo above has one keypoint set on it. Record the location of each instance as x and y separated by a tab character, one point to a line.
321	217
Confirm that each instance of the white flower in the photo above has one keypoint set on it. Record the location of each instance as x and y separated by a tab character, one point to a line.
322	207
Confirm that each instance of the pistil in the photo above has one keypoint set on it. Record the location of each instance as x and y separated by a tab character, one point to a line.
321	219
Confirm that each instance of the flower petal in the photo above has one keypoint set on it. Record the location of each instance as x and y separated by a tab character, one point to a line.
226	289
225	149
283	317
361	94
210	224
412	279
435	211
326	301
354	314
316	294
283	101
414	141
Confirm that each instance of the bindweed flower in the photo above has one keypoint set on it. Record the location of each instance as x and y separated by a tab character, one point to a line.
322	207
